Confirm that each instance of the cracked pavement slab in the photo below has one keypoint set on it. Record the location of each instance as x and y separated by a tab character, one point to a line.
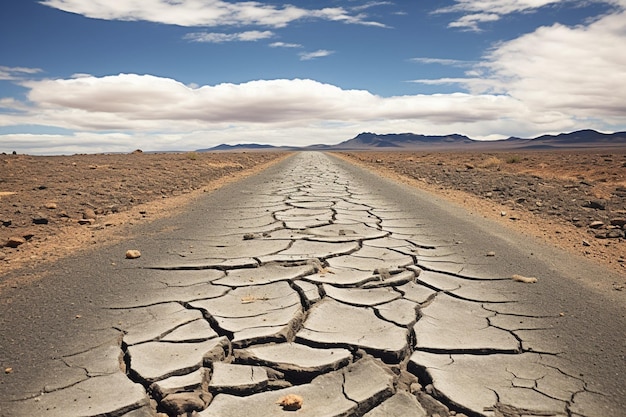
319	285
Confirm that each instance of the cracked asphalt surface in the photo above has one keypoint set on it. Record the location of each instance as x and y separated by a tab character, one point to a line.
316	289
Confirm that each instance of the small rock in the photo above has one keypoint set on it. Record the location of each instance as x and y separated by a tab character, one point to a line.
40	220
621	222
585	243
526	280
595	204
469	166
183	403
133	254
503	213
15	241
615	234
86	221
491	253
8	370
2	256
291	402
50	205
596	224
89	214
6	222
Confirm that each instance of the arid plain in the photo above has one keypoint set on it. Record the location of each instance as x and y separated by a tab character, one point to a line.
53	206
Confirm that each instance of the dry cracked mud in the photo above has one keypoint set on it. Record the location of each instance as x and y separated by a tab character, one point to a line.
317	298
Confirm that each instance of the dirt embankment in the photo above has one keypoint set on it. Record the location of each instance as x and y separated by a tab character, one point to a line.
575	200
51	206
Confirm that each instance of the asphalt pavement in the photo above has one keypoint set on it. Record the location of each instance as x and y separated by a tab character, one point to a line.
316	289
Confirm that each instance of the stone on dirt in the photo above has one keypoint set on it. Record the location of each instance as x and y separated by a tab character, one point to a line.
15	241
133	254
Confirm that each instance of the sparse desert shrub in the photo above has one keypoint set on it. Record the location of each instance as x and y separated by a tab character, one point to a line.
192	155
491	162
513	159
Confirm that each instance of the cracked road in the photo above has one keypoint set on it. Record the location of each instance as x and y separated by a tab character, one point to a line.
316	289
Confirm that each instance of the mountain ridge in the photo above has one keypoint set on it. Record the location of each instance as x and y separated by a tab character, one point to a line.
580	139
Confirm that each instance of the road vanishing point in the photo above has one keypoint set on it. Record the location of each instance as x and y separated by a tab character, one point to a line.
316	288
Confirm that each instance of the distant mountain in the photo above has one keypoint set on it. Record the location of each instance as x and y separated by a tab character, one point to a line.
400	140
579	139
582	139
242	147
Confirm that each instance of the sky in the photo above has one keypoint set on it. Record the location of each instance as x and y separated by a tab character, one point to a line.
91	76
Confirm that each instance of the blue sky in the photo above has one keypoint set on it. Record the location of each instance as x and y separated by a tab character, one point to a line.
116	75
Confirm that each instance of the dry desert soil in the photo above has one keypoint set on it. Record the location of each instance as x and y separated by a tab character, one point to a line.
54	206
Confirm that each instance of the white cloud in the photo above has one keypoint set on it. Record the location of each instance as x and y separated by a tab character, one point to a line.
577	72
555	79
16	73
307	56
144	104
204	12
441	61
371	4
471	21
285	45
475	12
500	7
212	37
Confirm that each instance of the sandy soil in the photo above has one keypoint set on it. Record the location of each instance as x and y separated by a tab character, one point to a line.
573	200
54	206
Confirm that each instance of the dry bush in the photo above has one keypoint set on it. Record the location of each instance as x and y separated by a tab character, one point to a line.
491	162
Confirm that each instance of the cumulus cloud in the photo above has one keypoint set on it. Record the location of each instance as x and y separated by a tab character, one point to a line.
320	53
130	101
577	70
212	37
204	12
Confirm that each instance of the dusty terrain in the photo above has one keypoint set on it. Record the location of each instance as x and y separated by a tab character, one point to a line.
53	206
574	200
57	205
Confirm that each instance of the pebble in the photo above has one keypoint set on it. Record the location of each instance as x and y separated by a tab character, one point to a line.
132	254
491	253
621	222
89	214
15	241
595	204
526	280
39	219
596	224
50	205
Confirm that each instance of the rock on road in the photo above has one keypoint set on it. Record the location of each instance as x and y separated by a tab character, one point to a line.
315	289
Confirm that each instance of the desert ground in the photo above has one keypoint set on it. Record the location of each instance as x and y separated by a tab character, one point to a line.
575	200
53	206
